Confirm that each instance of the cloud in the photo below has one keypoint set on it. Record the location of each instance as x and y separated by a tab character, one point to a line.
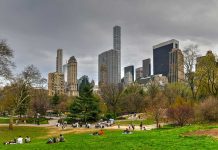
36	29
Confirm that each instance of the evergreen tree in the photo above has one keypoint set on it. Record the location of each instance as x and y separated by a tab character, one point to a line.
84	81
55	100
86	106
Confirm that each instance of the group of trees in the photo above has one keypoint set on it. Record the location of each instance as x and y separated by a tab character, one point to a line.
194	99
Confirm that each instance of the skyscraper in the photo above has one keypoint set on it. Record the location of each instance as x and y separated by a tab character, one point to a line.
109	62
129	74
72	89
117	46
117	37
176	66
139	73
108	70
161	56
146	67
59	60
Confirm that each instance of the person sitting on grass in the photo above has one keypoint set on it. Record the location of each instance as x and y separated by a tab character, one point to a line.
55	140
127	131
50	141
27	139
61	138
100	132
20	140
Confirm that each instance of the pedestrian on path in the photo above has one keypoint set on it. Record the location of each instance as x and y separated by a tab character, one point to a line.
140	126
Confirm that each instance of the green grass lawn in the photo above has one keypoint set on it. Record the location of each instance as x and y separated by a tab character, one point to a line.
161	139
135	122
5	120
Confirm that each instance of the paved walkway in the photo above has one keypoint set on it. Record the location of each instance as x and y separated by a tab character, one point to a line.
137	128
52	123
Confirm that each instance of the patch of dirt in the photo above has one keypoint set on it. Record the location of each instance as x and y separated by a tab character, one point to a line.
210	132
54	131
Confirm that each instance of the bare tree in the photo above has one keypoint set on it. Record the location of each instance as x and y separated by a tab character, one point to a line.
111	94
6	64
133	99
20	90
156	101
190	58
40	101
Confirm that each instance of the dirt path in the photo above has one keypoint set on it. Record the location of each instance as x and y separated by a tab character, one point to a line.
210	132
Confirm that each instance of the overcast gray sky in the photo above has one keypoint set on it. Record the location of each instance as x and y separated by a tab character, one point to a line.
35	29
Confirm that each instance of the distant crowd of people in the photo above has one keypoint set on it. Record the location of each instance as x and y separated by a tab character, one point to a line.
56	139
63	125
18	140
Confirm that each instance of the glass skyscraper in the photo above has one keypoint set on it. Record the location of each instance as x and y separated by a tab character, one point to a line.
109	62
161	56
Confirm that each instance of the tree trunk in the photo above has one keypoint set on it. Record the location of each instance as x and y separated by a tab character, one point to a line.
157	120
11	120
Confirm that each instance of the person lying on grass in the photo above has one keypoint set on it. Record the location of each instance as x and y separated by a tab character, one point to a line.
100	132
19	140
14	141
127	131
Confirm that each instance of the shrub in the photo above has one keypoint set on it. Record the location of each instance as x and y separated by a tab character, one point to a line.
208	110
181	112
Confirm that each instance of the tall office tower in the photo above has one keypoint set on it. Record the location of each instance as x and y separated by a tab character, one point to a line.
108	67
117	46
176	66
146	67
72	89
117	37
129	75
161	56
139	73
55	84
59	60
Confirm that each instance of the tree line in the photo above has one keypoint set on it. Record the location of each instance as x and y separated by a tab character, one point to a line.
193	100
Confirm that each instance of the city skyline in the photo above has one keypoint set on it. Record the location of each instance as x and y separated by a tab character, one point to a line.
40	32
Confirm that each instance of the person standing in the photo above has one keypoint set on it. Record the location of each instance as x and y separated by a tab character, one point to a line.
140	126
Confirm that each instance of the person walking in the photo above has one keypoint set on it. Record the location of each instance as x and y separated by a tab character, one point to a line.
140	126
